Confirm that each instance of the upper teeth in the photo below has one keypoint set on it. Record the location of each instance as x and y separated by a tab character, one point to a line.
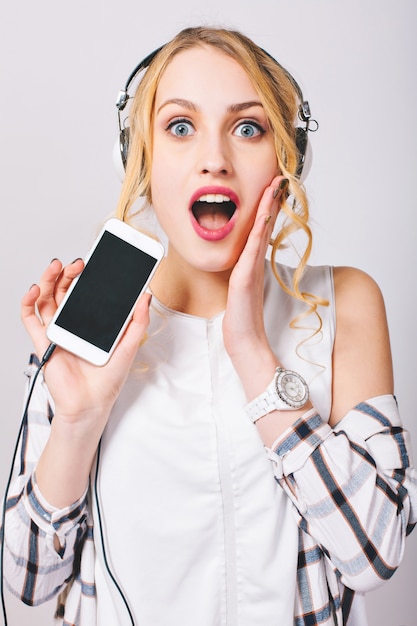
214	197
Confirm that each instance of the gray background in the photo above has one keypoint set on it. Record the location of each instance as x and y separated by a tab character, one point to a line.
62	66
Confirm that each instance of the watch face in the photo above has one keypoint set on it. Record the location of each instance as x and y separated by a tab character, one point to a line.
292	388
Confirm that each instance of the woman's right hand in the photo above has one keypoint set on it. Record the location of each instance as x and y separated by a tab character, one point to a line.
81	391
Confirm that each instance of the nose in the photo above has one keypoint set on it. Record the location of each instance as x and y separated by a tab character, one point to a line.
215	157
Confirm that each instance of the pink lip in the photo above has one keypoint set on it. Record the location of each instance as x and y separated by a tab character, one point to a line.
219	233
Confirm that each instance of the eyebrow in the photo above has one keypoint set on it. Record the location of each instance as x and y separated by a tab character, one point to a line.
232	108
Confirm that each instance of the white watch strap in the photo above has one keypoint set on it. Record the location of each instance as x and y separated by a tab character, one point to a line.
265	403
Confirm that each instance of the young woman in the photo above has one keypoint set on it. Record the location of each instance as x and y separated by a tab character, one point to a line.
178	484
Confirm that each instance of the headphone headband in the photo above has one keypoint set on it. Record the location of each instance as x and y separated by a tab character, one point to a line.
123	96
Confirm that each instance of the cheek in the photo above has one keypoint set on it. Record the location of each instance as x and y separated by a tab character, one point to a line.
262	167
259	177
166	170
163	197
270	164
161	180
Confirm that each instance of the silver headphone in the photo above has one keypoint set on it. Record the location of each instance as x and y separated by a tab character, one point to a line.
121	148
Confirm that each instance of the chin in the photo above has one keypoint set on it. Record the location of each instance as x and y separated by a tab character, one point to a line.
217	263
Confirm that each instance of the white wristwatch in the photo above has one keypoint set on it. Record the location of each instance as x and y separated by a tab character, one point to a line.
288	391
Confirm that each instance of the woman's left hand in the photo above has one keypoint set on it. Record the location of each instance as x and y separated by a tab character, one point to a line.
243	326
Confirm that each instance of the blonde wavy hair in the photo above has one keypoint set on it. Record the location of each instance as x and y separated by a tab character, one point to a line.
280	98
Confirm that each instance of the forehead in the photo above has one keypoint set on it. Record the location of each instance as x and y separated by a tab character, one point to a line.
205	71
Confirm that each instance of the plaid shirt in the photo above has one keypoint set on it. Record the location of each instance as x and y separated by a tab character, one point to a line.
353	482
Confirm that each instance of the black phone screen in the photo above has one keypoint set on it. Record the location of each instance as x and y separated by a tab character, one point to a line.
106	291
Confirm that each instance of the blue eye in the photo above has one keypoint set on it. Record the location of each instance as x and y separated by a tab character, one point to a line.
181	128
249	130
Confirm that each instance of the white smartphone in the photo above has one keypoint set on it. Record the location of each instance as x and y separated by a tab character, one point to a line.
99	303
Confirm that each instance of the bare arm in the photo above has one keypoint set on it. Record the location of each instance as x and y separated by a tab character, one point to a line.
362	364
243	326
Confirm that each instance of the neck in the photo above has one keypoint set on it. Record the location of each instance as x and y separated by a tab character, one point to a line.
190	290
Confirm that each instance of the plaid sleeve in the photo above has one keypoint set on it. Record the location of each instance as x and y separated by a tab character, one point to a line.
354	487
33	569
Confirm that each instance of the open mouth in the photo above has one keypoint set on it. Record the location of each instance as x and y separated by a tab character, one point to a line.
213	211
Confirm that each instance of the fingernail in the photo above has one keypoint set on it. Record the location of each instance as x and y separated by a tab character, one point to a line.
54	259
283	184
77	259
